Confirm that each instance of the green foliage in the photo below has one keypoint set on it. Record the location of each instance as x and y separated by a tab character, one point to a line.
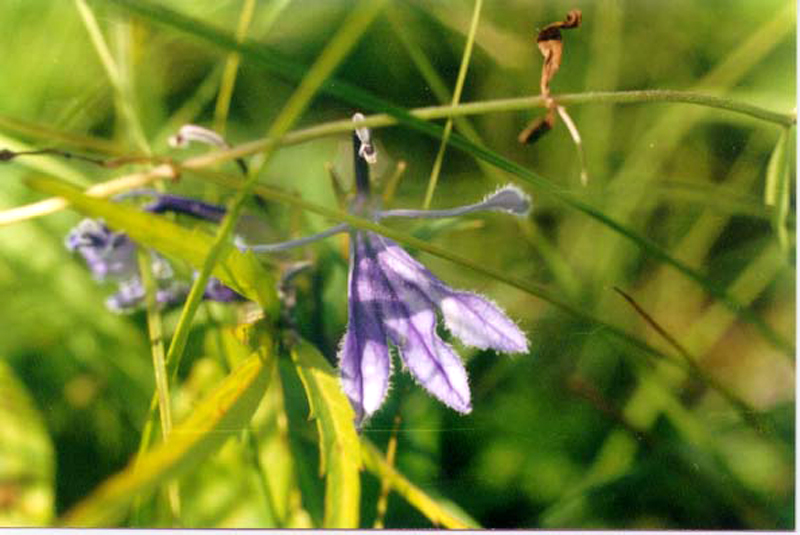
225	411
673	409
340	455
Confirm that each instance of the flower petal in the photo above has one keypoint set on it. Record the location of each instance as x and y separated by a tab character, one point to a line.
410	318
364	361
473	319
478	322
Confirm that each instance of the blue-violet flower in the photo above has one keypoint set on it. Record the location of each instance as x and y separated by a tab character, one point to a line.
394	300
111	256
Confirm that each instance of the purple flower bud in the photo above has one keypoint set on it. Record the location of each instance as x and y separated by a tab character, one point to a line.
216	291
109	254
175	203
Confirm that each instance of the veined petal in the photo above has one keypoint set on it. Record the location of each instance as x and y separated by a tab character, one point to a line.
473	319
478	322
364	361
409	314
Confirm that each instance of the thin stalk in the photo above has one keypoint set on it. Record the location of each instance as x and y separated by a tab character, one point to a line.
749	415
156	332
383	497
380	120
231	68
121	95
448	127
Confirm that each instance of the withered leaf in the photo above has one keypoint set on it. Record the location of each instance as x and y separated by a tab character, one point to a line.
552	48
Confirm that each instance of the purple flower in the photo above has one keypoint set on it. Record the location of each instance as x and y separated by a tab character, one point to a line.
393	300
111	256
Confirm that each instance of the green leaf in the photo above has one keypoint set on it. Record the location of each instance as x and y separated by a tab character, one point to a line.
27	474
340	451
226	411
438	510
777	189
240	271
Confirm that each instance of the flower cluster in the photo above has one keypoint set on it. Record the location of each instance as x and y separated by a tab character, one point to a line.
112	257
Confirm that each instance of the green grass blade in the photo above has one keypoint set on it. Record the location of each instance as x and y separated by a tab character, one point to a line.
366	100
224	412
462	76
439	511
340	452
241	272
122	95
777	189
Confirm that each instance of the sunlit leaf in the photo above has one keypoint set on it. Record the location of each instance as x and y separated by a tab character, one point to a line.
340	455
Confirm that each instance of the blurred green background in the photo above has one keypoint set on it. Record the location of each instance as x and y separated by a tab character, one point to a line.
585	431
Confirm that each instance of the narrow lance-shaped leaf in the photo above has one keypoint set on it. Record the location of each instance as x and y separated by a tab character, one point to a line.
240	271
225	411
340	451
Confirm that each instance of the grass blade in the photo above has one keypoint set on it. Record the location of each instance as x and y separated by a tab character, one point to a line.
448	127
27	461
777	190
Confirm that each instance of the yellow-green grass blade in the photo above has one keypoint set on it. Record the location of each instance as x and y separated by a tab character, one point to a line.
27	464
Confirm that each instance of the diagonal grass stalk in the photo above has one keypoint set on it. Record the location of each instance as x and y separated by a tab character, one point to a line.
155	331
231	67
448	126
118	82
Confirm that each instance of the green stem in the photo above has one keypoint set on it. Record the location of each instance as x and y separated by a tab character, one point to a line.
380	120
448	127
231	68
156	333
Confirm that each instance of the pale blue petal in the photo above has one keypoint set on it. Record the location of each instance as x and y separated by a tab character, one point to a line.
364	362
410	318
474	320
